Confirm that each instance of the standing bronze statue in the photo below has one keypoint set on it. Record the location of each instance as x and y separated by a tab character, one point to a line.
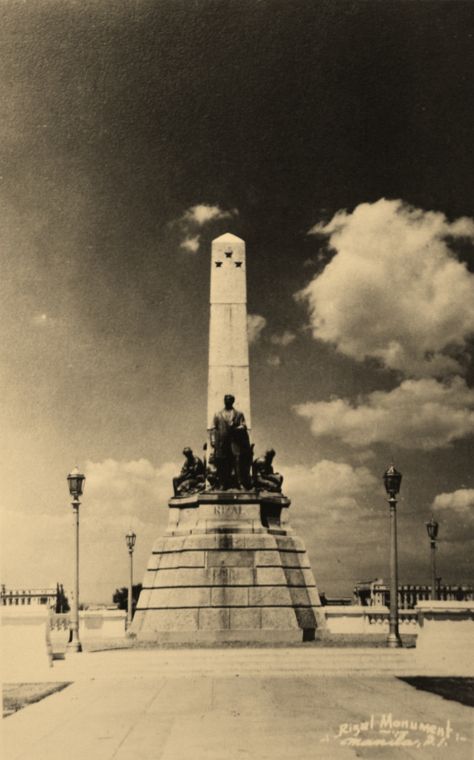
231	444
192	477
264	477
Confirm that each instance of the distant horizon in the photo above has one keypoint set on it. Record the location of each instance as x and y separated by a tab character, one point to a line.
341	595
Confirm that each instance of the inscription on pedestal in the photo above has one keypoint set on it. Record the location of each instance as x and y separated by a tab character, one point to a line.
228	511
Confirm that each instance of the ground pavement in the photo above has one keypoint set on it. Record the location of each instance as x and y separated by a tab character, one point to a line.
227	704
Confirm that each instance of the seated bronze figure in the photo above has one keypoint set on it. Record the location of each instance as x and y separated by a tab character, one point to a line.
264	476
192	477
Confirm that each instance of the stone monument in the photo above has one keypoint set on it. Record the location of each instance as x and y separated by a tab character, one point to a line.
229	567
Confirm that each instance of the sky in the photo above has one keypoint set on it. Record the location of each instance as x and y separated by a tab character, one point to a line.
336	140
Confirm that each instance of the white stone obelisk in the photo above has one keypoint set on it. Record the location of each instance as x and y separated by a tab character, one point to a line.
228	341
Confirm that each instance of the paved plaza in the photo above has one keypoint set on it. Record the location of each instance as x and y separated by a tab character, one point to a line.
223	704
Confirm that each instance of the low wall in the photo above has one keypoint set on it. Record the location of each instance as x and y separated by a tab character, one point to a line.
25	643
94	625
102	624
446	636
355	618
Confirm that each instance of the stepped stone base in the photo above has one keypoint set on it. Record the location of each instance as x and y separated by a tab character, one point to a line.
229	568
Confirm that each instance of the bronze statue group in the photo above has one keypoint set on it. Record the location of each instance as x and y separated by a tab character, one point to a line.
231	463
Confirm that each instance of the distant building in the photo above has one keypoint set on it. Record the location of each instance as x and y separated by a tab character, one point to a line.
54	598
376	592
339	601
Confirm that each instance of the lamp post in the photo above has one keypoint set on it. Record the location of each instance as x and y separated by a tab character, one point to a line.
75	481
392	479
432	529
130	539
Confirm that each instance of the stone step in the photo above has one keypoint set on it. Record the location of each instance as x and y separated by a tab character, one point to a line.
246	662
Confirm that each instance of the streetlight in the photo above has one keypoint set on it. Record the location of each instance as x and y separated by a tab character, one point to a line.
130	539
392	479
432	528
76	486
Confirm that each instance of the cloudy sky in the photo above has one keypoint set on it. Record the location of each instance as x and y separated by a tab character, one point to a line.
336	139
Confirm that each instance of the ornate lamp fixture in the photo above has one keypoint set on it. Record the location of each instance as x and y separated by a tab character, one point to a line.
130	538
392	479
75	481
432	530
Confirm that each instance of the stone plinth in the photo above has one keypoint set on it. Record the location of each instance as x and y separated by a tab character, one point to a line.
229	568
25	643
101	624
446	635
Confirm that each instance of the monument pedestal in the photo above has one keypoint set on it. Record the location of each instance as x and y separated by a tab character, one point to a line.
229	568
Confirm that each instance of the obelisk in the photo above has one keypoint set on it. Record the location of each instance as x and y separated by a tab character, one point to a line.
229	566
228	342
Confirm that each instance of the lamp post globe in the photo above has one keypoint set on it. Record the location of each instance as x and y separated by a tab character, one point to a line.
432	528
75	481
130	539
392	480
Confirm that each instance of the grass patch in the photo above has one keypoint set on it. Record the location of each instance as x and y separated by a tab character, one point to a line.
458	689
19	695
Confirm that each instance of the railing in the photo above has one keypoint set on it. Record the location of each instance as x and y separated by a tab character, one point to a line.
406	619
104	623
363	620
409	594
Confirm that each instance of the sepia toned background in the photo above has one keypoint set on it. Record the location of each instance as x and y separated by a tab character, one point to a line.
336	140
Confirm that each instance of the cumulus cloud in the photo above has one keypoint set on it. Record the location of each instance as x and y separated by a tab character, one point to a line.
424	414
203	213
196	217
284	339
460	501
455	512
118	496
394	290
255	324
128	488
191	244
338	510
329	486
331	501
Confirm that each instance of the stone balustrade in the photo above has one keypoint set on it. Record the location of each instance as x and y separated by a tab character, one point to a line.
93	625
103	624
367	620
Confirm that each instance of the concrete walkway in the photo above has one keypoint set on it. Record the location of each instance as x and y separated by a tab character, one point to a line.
277	704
